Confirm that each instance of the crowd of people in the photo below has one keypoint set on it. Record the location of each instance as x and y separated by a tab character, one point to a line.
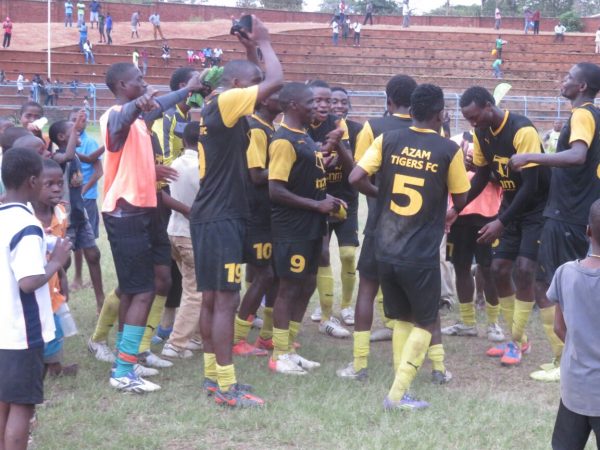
185	204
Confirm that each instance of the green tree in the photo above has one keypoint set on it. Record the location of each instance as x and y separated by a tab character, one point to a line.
548	8
456	10
288	5
246	3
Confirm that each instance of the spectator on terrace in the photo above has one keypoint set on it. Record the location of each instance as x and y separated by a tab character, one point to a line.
144	62
368	13
49	93
7	26
94	11
217	54
190	57
536	21
207	57
356	27
499	44
199	57
528	22
73	88
335	28
135	23
34	94
559	32
83	35
68	13
57	91
20	81
166	53
598	40
135	58
498	19
496	68
405	14
345	28
101	25
2	77
109	27
80	12
155	21
88	53
86	107
342	8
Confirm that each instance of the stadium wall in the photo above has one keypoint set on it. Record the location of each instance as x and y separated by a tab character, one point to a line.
36	11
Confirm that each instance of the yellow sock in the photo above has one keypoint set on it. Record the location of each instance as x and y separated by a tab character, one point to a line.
225	377
362	345
467	313
547	316
281	339
412	357
492	312
401	332
266	332
388	323
294	329
108	316
348	274
520	319
210	366
325	288
158	305
241	329
436	355
507	307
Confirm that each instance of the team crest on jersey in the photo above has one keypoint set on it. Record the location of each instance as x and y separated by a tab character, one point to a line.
319	161
502	167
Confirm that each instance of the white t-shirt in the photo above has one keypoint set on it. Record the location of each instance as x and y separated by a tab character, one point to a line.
87	47
184	190
560	29
357	26
335	27
26	320
598	36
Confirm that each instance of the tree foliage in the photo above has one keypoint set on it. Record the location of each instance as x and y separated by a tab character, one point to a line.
288	5
382	7
246	3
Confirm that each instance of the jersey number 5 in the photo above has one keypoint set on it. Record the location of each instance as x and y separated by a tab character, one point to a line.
415	199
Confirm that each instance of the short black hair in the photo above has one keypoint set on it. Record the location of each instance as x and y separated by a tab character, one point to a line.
18	164
57	128
318	84
339	89
10	135
236	69
591	76
399	89
115	73
594	220
27	141
426	101
50	164
292	92
29	104
181	75
478	95
191	134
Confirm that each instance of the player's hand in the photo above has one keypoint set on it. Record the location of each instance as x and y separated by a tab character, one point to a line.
451	216
147	102
518	161
166	173
61	252
469	165
80	121
259	31
330	204
195	83
34	130
249	44
490	232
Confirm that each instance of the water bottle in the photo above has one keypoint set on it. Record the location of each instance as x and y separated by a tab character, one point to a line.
67	322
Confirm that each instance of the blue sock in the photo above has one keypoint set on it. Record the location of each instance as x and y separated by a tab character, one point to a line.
128	349
119	339
164	332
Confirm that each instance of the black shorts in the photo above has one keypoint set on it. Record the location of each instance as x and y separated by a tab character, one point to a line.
462	246
137	244
22	380
258	248
297	259
81	235
346	231
561	242
218	254
410	292
520	238
368	267
91	207
176	290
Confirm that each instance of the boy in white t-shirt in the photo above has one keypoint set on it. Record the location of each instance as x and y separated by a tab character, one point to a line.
26	320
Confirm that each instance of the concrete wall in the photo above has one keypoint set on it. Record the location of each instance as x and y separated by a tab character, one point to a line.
36	11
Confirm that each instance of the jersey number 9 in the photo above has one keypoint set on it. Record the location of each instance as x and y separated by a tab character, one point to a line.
297	263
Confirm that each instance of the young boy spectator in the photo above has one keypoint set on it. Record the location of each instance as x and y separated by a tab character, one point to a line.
80	12
559	32
26	321
575	288
496	68
53	217
65	135
109	27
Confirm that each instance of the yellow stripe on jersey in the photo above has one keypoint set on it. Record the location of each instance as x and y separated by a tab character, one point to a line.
281	159
527	140
497	131
344	126
583	126
257	149
458	180
236	103
371	160
478	157
364	139
201	161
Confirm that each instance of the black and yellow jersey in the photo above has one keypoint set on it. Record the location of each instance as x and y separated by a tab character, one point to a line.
337	180
295	159
370	130
169	130
260	135
417	169
353	130
574	189
494	148
222	153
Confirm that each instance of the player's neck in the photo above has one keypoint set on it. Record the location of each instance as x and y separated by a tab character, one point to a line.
17	196
427	125
43	212
399	110
293	122
266	116
581	100
498	118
